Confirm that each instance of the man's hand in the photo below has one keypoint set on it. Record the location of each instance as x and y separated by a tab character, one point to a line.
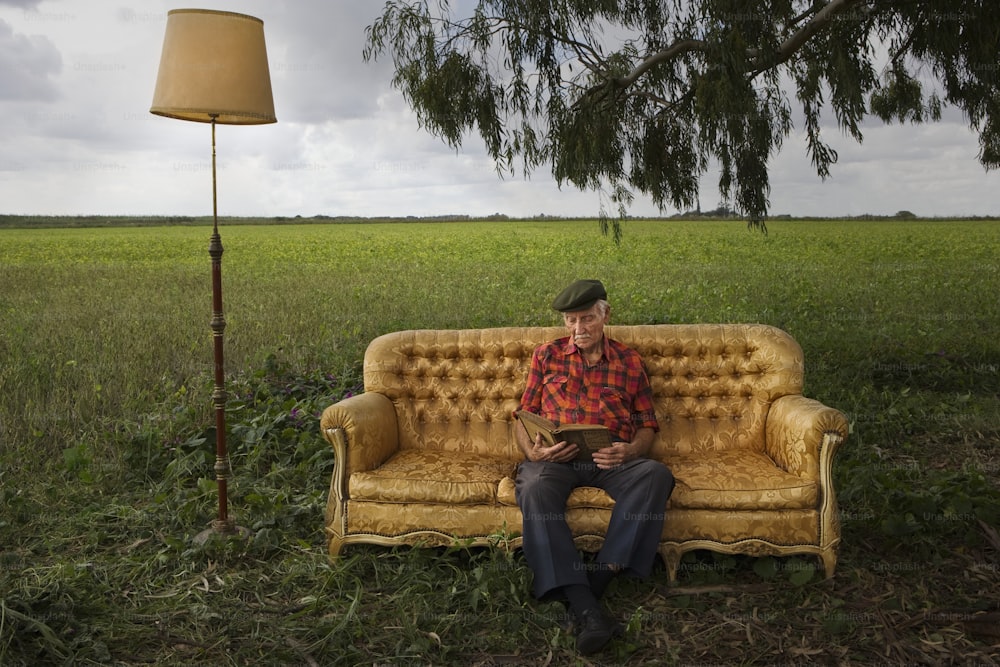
613	456
561	452
623	452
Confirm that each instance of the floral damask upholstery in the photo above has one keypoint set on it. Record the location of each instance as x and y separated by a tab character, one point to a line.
415	475
427	454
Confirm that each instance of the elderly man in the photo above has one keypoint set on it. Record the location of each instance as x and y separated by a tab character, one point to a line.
586	377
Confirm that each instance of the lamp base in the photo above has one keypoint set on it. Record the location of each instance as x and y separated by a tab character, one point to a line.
221	529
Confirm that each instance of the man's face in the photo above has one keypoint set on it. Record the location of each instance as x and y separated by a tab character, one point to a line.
586	327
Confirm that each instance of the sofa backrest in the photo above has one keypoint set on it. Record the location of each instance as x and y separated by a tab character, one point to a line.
455	390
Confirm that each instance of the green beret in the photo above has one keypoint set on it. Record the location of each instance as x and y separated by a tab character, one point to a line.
581	295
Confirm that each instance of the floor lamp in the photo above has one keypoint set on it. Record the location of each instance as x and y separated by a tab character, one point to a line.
213	69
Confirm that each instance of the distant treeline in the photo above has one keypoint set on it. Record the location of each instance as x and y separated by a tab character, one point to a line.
51	221
54	221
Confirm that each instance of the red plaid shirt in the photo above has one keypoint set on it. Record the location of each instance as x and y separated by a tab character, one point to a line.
614	392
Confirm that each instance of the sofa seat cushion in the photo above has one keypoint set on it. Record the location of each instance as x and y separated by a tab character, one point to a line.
737	479
421	476
726	480
581	496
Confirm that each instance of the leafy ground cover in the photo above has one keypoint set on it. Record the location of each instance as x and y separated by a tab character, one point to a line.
106	433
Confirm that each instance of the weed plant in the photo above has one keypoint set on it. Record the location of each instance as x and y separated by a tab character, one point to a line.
107	442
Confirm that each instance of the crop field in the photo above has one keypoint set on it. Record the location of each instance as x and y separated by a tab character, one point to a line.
106	441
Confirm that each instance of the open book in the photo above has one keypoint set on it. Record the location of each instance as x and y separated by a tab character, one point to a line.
587	437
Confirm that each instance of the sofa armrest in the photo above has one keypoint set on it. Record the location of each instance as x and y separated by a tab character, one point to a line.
362	430
802	435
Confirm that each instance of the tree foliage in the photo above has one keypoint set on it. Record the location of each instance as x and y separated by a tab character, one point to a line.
621	96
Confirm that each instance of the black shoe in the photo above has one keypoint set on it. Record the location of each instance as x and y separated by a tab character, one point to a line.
593	631
566	620
617	629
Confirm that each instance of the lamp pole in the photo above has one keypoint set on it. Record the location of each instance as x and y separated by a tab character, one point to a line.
223	524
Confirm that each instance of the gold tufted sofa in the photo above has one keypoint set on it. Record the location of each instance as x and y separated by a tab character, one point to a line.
426	455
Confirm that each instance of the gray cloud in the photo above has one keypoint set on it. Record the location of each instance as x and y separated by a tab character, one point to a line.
316	63
27	63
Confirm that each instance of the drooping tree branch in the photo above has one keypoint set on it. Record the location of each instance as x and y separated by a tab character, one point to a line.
674	51
816	24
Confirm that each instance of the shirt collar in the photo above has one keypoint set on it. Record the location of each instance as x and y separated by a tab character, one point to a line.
571	348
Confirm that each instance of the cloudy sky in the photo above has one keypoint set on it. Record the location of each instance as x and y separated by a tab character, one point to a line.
76	82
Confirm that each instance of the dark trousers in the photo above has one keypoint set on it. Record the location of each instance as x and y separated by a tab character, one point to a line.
640	489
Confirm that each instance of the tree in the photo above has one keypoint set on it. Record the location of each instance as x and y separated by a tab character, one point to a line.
621	96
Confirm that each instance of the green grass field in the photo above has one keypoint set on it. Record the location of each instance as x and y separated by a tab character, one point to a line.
106	436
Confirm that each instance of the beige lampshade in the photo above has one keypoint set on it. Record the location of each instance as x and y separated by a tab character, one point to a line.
214	64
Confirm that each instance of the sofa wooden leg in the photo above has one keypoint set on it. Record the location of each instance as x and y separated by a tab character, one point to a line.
829	560
671	560
334	547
